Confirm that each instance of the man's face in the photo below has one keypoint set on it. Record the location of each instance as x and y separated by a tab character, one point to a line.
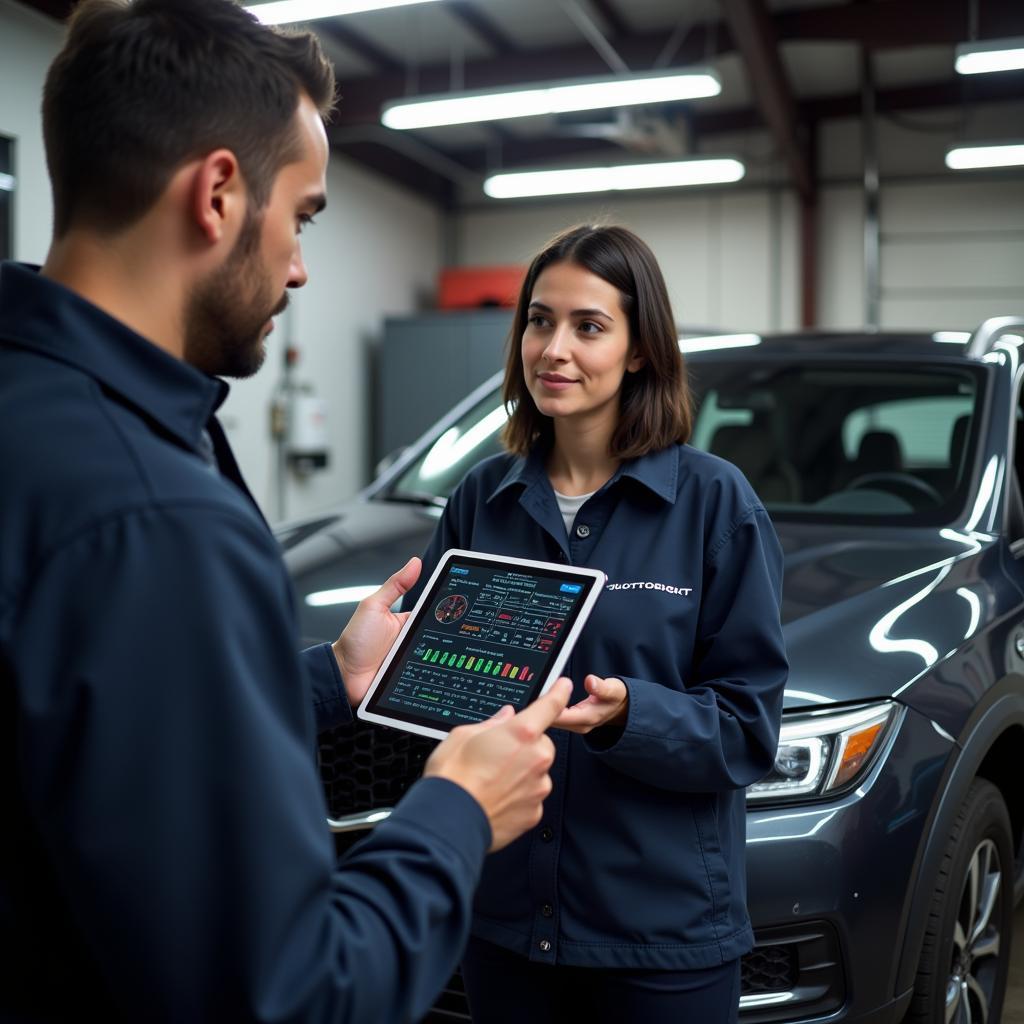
230	314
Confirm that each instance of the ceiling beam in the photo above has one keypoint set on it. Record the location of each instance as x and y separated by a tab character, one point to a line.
892	23
366	96
888	24
1001	88
361	45
482	25
898	23
752	30
612	17
400	169
58	9
531	152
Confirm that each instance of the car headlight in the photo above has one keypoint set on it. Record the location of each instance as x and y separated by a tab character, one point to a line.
824	752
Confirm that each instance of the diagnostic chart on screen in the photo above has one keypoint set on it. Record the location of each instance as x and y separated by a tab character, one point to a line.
486	639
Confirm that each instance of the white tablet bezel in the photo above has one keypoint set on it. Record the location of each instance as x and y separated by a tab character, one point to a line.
569	572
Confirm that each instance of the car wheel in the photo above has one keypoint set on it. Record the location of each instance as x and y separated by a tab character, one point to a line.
961	977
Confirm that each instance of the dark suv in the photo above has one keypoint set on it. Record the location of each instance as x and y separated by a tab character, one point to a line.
884	847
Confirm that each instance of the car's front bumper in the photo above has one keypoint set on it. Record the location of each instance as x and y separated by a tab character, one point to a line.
830	885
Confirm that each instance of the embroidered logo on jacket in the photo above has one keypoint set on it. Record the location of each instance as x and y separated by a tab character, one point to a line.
647	585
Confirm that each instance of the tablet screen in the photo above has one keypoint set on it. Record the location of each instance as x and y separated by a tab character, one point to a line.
486	635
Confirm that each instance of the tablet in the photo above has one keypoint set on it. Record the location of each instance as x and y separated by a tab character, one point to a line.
487	631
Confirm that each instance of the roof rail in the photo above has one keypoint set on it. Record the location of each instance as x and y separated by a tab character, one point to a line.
991	330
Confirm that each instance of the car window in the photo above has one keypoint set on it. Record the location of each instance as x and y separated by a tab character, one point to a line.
923	426
859	442
712	416
439	469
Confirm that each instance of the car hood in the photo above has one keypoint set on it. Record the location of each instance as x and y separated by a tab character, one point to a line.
864	609
867	609
358	546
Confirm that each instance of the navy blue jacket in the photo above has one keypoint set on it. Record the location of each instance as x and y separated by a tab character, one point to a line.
639	859
165	855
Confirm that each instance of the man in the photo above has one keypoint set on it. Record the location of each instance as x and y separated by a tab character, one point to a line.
165	855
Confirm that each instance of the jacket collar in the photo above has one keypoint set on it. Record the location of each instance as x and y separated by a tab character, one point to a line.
44	317
657	471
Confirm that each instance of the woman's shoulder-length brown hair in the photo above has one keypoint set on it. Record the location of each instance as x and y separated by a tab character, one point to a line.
656	405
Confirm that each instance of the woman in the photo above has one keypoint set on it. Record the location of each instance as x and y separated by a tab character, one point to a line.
627	902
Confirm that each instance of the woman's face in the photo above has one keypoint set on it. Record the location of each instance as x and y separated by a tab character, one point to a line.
576	347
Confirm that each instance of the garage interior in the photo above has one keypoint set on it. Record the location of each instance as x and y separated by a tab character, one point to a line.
847	215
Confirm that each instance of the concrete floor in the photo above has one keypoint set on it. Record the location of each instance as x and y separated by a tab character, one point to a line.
1013	1011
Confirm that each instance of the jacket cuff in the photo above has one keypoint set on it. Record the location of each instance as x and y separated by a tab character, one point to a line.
330	702
615	740
446	810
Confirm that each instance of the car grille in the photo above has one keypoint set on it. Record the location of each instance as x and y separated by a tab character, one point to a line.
364	766
768	969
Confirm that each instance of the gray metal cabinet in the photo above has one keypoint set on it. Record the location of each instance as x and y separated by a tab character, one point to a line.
426	363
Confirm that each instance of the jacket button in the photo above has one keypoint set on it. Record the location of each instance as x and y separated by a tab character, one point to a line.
545	946
547	834
583	530
547	910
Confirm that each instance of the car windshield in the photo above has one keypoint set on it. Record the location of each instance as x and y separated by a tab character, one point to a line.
829	441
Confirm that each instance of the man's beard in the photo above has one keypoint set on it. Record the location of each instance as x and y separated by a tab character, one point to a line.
226	314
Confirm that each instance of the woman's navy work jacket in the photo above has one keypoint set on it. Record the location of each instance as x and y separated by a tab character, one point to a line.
639	859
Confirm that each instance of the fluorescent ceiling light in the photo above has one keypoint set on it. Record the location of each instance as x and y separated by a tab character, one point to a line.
994	55
1002	154
952	337
700	171
549	98
716	342
6	182
278	12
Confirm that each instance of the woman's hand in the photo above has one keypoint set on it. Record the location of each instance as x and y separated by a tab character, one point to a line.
371	631
607	704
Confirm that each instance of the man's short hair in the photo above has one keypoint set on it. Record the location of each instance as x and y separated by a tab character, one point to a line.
140	88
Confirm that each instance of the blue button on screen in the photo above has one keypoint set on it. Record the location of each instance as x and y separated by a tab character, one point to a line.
571	588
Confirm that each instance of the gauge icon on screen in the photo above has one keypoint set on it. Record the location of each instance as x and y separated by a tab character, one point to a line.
451	608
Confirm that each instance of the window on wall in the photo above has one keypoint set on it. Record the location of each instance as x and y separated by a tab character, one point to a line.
6	197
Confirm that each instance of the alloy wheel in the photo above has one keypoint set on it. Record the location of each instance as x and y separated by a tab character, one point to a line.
976	939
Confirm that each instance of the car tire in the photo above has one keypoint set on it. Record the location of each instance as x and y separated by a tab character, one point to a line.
965	958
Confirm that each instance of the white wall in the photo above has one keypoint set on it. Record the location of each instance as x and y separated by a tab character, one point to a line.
374	252
728	255
28	43
952	244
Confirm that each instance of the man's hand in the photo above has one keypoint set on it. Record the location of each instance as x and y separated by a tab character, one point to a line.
371	631
607	704
503	763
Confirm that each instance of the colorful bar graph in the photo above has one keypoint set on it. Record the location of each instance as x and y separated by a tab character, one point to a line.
476	663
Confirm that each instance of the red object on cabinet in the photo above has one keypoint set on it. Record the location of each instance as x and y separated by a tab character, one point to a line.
476	287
